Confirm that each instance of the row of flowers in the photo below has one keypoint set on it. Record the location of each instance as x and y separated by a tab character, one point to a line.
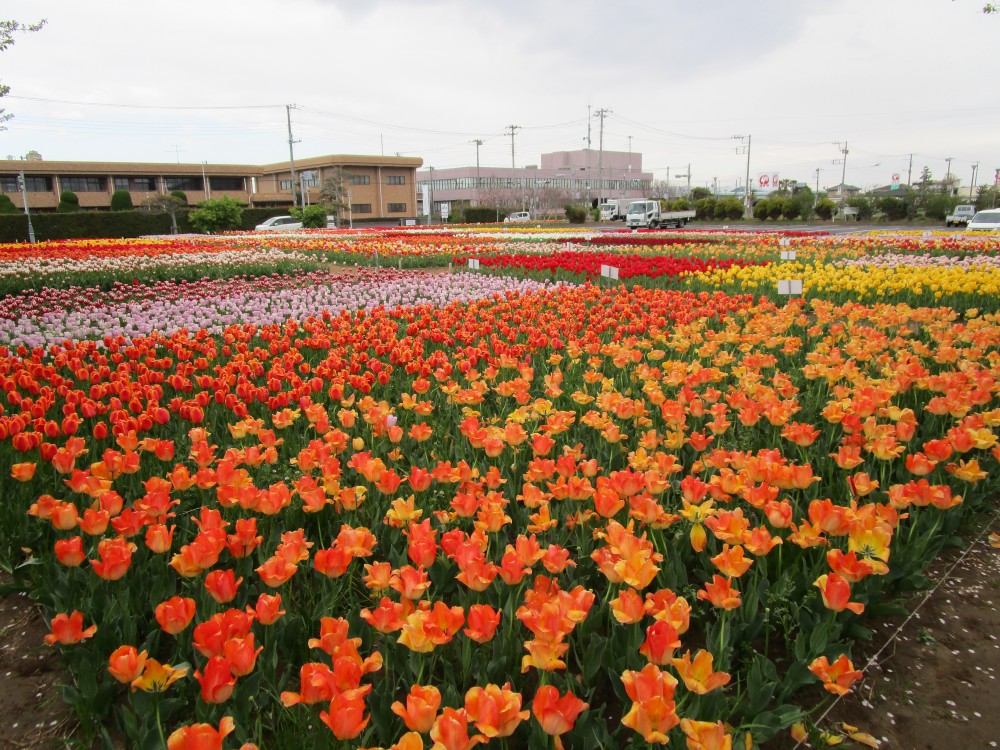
613	506
53	316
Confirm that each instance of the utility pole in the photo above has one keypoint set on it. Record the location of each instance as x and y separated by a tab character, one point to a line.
816	196
204	182
972	185
479	142
842	146
689	180
947	173
291	152
747	198
27	212
513	170
601	113
177	151
430	198
909	174
588	154
667	196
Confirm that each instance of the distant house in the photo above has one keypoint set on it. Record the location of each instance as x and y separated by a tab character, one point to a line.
842	192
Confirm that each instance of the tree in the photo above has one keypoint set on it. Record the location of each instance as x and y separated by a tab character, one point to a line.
68	202
7	31
825	208
121	200
700	192
180	195
7	205
217	215
762	209
168	204
333	194
863	205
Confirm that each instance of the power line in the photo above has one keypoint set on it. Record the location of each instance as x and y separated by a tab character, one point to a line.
141	106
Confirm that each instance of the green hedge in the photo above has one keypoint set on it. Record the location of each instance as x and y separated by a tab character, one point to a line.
96	224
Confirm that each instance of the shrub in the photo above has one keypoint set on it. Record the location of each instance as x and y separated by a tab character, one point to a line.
705	208
180	195
762	209
825	209
312	217
678	204
219	215
121	200
576	214
775	207
729	208
7	205
939	206
894	209
790	208
68	202
482	214
864	206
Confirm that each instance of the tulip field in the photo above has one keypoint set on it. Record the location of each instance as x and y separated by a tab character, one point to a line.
334	489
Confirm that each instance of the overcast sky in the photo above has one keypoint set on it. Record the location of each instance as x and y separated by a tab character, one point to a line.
426	77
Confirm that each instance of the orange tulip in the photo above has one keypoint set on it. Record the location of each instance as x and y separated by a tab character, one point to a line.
706	735
731	562
276	571
421	708
68	629
720	593
837	677
23	472
175	614
451	731
482	621
556	714
661	640
156	677
201	736
268	609
217	681
836	593
495	710
222	585
697	674
627	608
652	713
69	552
126	664
240	654
346	718
316	683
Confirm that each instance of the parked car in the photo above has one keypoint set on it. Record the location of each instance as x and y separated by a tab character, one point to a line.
960	216
279	224
988	220
519	217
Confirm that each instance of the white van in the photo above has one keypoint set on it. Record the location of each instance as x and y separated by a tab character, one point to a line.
988	220
519	217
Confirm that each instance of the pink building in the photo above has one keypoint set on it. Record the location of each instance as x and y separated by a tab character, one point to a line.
578	177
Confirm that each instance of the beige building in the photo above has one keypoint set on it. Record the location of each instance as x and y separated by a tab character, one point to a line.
378	187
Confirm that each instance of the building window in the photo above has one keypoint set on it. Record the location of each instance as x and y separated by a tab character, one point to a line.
397	208
361	208
136	184
360	179
84	184
183	183
32	183
395	179
226	183
284	184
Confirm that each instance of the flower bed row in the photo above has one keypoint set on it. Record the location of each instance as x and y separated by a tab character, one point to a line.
588	264
598	514
130	310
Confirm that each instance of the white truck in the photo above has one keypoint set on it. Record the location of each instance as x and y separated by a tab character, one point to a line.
961	216
614	209
647	214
